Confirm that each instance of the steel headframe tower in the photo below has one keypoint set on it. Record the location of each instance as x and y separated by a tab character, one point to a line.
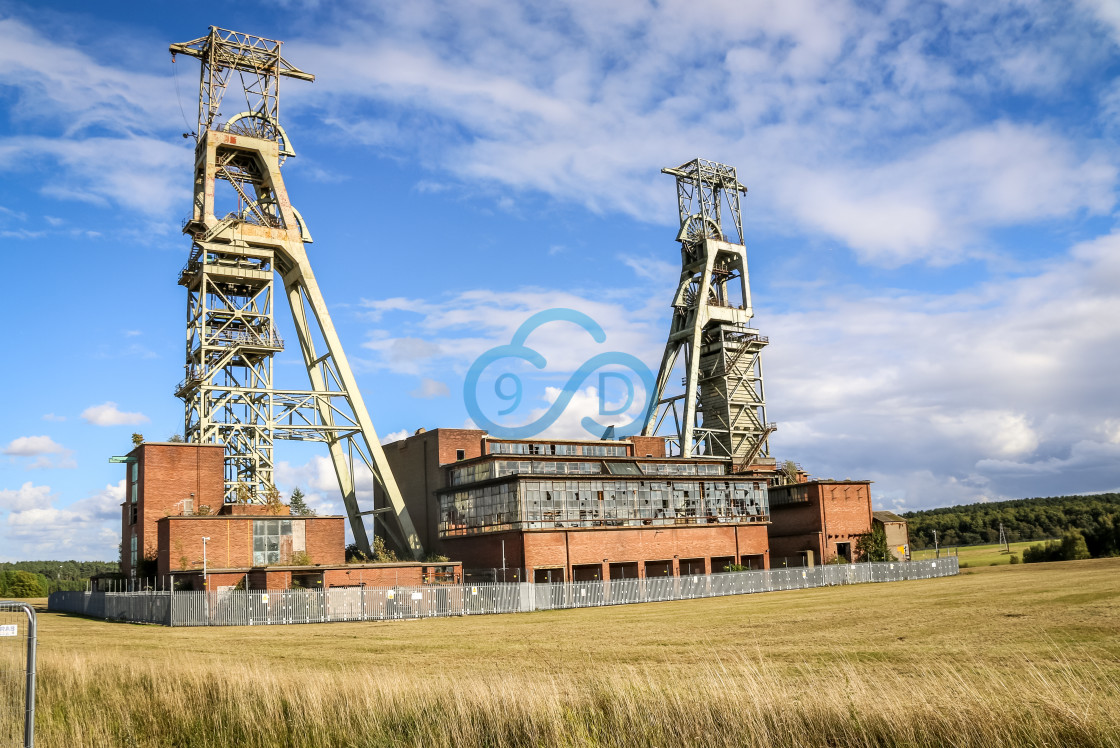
722	412
244	230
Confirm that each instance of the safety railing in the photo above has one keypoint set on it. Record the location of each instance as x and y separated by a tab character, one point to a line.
277	607
17	674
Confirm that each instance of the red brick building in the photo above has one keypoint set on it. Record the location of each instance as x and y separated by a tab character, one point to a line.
816	521
556	510
164	478
174	524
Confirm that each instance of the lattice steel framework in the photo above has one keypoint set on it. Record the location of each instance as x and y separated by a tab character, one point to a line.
722	411
229	277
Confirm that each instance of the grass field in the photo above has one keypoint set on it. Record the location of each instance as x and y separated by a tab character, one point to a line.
979	555
1025	655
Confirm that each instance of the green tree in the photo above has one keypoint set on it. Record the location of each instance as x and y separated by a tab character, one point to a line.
25	584
137	439
1074	547
381	552
298	506
873	546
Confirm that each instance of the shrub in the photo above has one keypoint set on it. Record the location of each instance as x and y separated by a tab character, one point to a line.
873	546
300	558
1073	547
1042	552
1014	558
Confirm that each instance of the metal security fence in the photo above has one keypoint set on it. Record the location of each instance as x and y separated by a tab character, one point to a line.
266	608
17	674
138	607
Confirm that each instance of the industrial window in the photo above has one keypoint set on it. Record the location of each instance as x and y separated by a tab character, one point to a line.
604	450
508	448
135	480
133	554
460	454
266	539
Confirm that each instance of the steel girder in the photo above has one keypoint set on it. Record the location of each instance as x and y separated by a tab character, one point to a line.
722	412
236	253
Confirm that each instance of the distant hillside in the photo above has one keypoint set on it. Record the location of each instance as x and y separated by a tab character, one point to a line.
1023	519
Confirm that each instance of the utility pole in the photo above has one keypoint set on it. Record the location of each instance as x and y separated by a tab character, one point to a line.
936	548
205	581
1003	538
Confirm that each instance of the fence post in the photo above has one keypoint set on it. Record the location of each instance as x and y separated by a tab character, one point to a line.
12	606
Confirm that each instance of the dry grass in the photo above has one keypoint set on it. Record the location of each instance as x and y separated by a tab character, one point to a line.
1005	656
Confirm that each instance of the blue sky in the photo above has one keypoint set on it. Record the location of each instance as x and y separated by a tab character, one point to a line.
931	224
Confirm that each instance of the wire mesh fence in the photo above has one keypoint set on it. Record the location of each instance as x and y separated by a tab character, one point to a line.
17	674
274	607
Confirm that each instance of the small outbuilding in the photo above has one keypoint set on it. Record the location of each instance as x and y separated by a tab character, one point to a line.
898	536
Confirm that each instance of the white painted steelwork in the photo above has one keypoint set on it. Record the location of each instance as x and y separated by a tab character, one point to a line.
722	411
243	232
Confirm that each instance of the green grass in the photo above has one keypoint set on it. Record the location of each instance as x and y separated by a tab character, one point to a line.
1025	655
979	555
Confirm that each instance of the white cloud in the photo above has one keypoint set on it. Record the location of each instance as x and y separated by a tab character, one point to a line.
53	417
26	446
143	174
47	452
1107	12
395	436
107	414
27	496
36	527
943	197
317	479
404	355
429	389
865	126
650	268
859	124
968	387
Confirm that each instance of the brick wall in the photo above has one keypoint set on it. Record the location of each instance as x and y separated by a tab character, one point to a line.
403	575
231	542
565	549
648	445
837	512
416	462
167	474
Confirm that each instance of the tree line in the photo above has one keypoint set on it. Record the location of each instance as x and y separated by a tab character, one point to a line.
1095	519
40	578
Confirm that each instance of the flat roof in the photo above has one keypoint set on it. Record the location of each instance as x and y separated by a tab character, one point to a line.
215	515
823	482
318	567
